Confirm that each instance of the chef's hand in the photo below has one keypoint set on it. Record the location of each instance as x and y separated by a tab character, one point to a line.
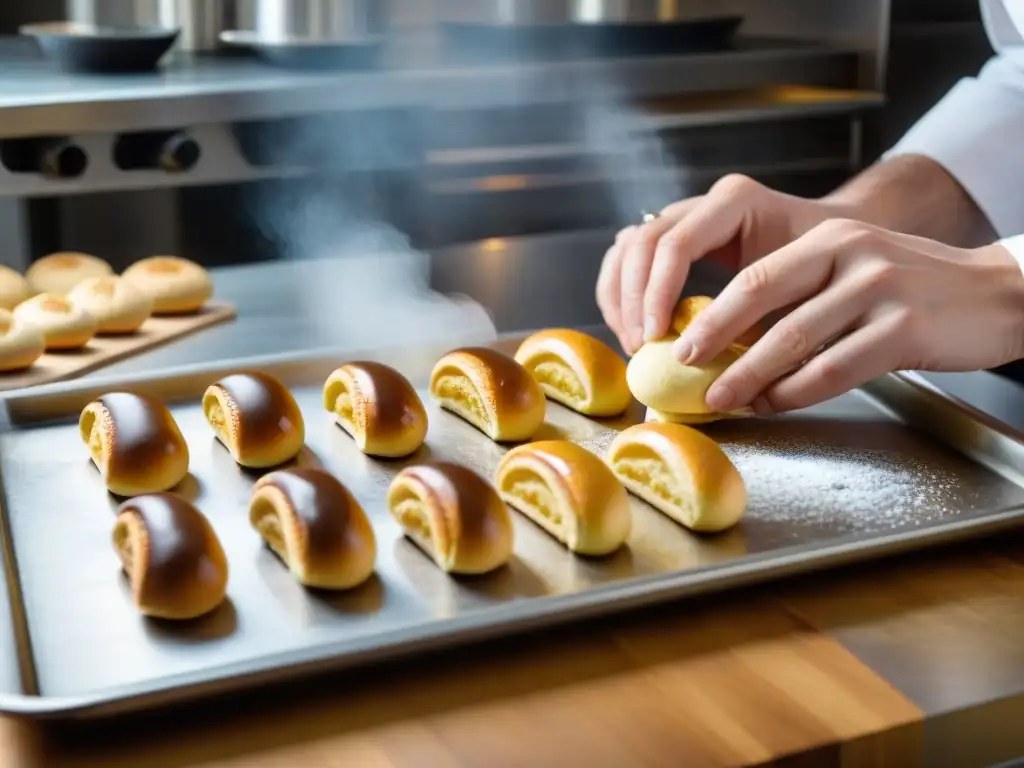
860	301
737	222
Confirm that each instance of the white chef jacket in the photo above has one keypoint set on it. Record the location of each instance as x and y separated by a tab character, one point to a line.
976	132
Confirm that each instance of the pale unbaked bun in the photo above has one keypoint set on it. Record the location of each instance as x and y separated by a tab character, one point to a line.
63	325
491	391
454	515
21	344
172	556
177	286
576	370
60	272
14	288
134	442
569	492
377	406
677	392
256	418
682	473
316	526
117	305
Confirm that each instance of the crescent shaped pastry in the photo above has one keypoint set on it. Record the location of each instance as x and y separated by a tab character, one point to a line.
172	556
378	407
682	473
491	391
576	370
134	442
316	526
256	418
569	492
454	515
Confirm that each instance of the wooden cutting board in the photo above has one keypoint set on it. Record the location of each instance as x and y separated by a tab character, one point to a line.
104	350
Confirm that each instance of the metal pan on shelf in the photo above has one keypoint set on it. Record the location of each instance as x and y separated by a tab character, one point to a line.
892	467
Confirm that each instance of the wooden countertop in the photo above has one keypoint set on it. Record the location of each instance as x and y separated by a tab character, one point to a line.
913	661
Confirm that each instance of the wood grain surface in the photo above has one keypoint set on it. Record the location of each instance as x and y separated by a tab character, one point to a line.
910	662
104	350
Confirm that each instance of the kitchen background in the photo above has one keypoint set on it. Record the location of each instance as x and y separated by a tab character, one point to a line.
809	91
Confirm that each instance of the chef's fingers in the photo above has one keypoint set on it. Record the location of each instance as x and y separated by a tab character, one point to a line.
789	275
638	253
669	271
608	290
789	343
868	352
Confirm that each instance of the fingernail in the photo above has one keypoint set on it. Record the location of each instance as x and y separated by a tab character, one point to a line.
650	327
683	350
721	398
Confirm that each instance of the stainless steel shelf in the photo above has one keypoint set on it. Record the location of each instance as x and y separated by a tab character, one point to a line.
35	98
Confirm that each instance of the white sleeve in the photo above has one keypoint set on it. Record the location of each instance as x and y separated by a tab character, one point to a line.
1015	245
976	132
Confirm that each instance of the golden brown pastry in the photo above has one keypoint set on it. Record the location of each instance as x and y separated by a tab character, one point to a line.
117	305
134	442
316	526
454	515
60	272
63	325
20	344
14	288
677	392
491	391
377	406
172	556
256	418
569	492
681	472
576	370
177	286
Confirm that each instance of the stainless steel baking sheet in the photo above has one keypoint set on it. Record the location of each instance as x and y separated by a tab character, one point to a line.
844	481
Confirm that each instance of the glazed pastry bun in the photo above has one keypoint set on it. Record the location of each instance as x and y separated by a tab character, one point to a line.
454	515
569	492
177	286
117	305
312	522
256	418
677	392
60	272
681	472
378	407
171	554
20	344
491	391
64	326
577	370
14	288
134	442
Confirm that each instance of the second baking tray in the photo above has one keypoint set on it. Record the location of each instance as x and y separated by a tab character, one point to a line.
893	467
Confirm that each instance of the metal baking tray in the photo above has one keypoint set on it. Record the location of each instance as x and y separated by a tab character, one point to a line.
893	467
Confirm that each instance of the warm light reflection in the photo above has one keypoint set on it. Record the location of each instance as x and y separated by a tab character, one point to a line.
501	183
493	245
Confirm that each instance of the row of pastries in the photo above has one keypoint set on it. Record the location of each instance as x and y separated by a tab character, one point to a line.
460	519
65	299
